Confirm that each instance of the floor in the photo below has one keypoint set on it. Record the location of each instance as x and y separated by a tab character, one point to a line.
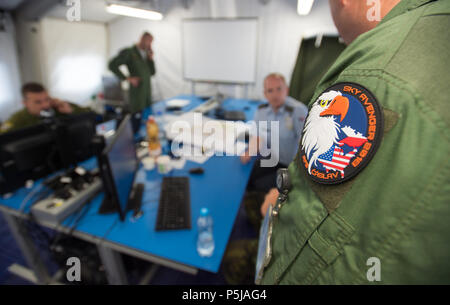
10	253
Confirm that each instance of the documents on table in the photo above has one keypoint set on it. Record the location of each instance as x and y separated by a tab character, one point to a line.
220	137
177	103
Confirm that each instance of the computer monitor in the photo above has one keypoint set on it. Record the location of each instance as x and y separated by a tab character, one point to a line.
27	154
112	89
106	128
75	133
118	164
37	151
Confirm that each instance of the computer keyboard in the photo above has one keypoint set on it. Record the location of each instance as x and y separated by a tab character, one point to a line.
174	211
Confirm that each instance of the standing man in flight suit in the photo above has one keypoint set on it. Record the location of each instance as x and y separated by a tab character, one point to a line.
139	61
369	201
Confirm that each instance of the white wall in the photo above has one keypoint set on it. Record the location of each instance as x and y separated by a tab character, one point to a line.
280	33
74	58
29	41
10	100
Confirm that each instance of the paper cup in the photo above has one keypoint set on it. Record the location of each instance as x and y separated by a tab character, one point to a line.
149	163
163	164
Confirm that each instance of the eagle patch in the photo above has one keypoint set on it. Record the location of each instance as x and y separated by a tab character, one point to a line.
341	134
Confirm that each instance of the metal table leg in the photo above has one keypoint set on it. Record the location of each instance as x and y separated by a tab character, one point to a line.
29	251
112	261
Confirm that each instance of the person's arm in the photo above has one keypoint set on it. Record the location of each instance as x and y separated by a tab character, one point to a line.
271	198
116	62
252	150
253	143
65	107
78	109
150	62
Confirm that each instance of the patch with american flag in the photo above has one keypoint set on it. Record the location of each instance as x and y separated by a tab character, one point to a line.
341	133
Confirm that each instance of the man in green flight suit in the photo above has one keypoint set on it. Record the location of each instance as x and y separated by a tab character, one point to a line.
139	61
37	101
370	194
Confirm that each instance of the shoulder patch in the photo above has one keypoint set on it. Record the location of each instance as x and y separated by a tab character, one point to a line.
5	127
263	106
342	132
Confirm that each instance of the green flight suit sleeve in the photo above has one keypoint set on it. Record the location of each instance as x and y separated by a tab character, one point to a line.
151	66
79	109
121	59
395	210
19	120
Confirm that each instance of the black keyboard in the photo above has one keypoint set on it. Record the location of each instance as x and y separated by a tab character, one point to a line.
174	211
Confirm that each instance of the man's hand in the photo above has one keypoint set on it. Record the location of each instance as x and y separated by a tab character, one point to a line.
61	106
245	158
271	198
251	151
150	54
134	81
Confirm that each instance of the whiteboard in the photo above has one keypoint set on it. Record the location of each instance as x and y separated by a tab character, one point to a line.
220	50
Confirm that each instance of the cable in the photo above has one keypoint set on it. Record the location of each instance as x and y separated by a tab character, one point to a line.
29	196
81	213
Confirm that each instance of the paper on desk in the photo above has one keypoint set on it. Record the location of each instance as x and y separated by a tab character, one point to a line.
177	103
193	129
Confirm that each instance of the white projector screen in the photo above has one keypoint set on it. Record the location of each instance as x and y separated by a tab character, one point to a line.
220	50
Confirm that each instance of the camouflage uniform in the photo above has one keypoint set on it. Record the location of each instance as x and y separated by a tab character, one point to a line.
240	256
140	97
397	208
23	118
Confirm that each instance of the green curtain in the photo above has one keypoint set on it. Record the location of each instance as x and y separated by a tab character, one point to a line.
312	63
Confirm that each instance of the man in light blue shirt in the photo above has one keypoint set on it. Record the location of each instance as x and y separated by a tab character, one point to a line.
286	113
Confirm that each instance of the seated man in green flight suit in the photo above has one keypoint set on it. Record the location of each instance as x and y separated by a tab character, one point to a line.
36	101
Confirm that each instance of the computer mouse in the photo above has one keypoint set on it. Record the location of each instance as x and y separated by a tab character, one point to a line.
196	170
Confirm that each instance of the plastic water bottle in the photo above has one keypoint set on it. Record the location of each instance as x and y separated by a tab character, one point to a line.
154	146
205	241
159	118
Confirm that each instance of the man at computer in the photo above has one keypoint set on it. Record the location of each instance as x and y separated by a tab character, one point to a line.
38	104
290	115
139	61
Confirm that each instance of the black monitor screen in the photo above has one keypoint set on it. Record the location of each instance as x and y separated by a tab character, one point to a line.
75	137
29	153
123	162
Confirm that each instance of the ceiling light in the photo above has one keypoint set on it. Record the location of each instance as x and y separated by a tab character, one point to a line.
304	6
133	12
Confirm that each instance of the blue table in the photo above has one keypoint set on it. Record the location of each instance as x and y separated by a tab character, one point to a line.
220	189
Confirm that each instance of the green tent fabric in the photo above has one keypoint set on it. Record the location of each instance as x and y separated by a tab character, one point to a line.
311	65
